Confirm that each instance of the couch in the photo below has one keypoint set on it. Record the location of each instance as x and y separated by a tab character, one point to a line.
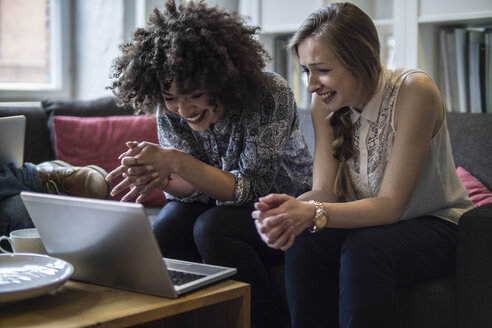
461	300
83	133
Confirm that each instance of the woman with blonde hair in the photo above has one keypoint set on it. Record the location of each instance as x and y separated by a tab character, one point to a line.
386	199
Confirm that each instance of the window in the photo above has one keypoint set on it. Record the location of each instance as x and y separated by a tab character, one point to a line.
34	49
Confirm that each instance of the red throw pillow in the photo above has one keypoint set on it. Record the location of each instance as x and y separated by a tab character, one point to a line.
99	141
479	194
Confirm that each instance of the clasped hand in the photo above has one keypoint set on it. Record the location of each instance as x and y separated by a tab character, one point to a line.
141	171
279	218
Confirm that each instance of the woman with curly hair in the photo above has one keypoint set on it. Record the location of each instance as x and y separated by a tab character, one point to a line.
228	132
386	198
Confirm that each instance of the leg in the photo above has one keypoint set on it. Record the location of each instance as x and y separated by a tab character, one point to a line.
311	277
54	177
227	236
13	216
14	180
374	260
173	230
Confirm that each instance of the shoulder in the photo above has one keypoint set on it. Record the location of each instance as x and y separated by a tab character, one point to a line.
275	84
420	83
419	97
277	95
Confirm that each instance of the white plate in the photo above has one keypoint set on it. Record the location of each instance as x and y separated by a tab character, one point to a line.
26	275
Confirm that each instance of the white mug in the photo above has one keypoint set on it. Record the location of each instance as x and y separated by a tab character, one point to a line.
24	241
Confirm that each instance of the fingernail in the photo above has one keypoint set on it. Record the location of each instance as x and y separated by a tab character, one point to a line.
149	167
155	174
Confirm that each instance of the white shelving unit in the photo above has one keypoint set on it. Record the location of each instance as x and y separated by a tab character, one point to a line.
408	29
434	15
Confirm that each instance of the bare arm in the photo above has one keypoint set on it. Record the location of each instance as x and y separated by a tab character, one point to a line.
418	116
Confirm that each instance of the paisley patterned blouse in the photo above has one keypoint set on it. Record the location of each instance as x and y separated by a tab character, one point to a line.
262	145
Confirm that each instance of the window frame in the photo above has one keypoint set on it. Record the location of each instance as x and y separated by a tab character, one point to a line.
61	84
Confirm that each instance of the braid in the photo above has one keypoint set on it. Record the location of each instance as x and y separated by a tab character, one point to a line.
343	150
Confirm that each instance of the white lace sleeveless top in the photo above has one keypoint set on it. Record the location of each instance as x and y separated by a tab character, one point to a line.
439	191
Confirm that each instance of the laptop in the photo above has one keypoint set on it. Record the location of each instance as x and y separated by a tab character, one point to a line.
111	243
12	132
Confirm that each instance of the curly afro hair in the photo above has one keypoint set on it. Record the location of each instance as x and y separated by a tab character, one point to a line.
196	47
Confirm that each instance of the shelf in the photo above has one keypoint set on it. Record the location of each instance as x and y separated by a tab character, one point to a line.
476	17
409	30
384	22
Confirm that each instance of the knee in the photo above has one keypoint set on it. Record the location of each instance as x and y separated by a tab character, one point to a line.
14	215
304	253
363	257
168	221
361	246
209	225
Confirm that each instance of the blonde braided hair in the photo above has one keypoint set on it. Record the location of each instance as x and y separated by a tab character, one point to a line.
353	38
343	150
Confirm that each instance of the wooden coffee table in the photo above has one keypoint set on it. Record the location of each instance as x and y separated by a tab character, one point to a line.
76	304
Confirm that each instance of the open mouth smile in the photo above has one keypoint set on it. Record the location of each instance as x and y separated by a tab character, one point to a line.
197	118
327	97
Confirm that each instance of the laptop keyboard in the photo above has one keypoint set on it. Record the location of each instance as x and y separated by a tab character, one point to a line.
181	278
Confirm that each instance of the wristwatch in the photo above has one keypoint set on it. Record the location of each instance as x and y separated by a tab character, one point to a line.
320	219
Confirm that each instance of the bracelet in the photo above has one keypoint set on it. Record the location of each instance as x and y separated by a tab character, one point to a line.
320	219
169	179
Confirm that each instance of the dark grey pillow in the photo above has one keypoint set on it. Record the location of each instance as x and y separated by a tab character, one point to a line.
85	108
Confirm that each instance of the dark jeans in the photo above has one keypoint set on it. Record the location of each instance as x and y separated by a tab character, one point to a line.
347	278
13	214
223	235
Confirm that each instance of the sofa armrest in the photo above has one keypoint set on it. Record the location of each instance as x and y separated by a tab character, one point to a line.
474	268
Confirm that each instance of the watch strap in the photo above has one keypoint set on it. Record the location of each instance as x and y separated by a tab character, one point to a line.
319	211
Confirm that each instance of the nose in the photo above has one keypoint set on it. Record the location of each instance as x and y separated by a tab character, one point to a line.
312	82
184	105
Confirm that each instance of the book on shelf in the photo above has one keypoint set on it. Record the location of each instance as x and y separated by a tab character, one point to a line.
450	73
280	56
476	71
488	70
466	68
461	43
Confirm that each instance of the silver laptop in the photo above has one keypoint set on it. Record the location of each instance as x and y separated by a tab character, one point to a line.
12	132
111	243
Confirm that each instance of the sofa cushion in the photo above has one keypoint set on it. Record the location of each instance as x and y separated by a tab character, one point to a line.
100	140
471	141
98	107
479	194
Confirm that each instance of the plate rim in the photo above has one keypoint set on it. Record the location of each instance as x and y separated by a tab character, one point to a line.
30	292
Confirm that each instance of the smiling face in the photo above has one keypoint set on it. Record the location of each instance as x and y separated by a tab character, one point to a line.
328	77
196	107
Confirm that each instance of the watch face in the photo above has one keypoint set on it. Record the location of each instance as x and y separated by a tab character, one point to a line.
321	221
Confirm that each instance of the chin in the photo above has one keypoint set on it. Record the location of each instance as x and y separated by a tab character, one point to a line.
197	128
202	126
